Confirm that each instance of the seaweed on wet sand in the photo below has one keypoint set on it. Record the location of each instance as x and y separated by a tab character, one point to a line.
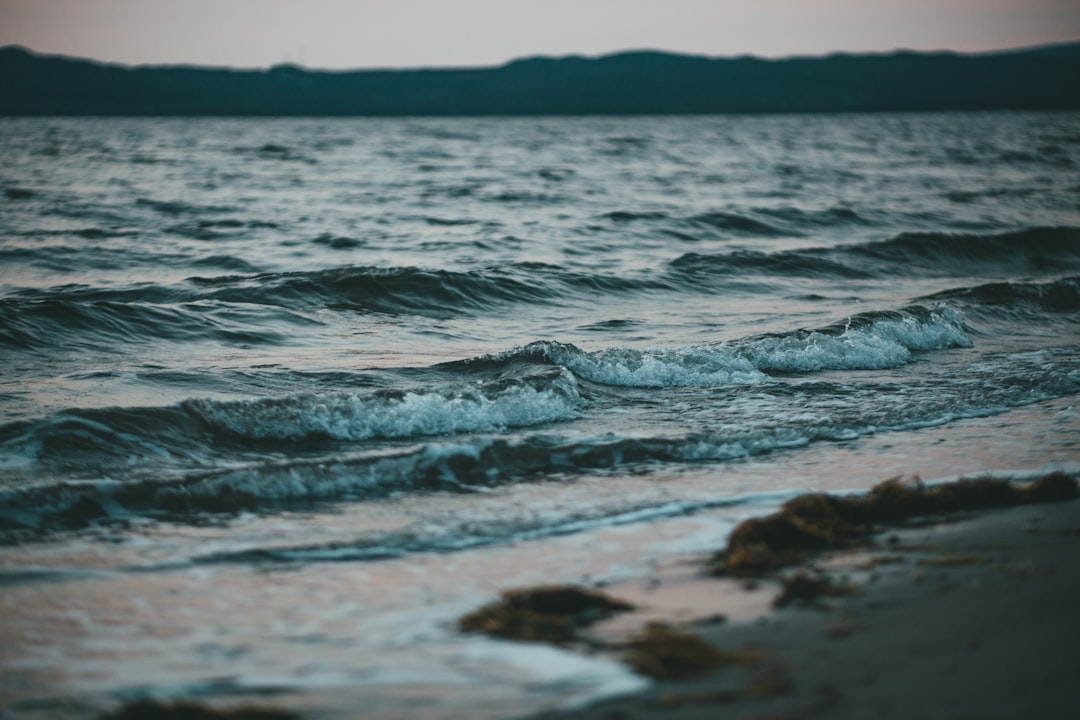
551	613
814	523
664	652
804	529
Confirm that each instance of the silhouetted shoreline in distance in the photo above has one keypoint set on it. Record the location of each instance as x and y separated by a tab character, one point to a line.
640	82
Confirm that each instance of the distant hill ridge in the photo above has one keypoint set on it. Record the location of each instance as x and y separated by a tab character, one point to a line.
639	82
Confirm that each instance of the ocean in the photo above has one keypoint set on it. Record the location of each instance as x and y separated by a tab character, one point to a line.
281	399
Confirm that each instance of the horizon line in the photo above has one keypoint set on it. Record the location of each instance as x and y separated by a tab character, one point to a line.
543	56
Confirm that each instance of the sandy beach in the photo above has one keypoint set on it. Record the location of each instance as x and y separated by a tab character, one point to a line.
968	616
959	616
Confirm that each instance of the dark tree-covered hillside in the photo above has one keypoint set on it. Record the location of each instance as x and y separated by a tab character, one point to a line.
624	83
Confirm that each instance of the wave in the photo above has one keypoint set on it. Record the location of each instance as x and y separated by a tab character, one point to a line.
827	218
444	293
1057	296
205	307
396	290
700	365
275	151
194	432
1038	250
179	207
785	221
338	242
454	466
482	407
623	216
867	341
201	306
741	225
77	260
759	222
35	325
521	387
408	290
779	417
808	263
448	466
78	441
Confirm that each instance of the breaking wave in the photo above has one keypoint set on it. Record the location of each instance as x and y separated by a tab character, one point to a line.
868	341
482	407
826	411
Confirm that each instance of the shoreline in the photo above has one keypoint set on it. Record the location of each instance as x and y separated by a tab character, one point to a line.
965	615
962	616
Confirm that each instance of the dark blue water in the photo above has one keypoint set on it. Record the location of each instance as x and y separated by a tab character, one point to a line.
281	397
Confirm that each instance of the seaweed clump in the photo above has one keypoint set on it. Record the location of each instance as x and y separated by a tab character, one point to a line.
817	522
184	710
550	613
665	653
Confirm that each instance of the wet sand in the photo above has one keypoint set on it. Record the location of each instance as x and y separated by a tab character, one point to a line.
973	616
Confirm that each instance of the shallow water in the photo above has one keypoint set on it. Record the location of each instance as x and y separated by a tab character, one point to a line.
282	398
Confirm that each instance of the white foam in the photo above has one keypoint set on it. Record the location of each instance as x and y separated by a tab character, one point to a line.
420	412
19	456
691	365
577	679
884	343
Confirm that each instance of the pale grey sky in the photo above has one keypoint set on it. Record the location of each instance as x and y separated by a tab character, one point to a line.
410	33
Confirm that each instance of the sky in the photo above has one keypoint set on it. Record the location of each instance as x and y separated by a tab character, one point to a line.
463	33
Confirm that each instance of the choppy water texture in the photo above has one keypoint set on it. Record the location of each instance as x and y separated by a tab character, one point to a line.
280	398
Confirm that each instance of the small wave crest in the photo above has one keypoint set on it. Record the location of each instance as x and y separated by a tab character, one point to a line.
703	365
868	341
411	290
94	441
1057	296
1035	249
1038	250
481	407
389	290
65	320
445	465
741	225
808	263
776	418
114	442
